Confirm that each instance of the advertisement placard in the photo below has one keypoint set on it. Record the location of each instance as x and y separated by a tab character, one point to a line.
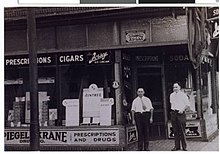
91	101
192	130
132	136
106	111
72	111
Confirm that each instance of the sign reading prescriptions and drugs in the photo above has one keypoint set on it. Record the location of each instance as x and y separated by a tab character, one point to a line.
95	137
63	137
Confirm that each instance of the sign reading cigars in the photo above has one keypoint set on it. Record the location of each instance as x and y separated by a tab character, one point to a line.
65	137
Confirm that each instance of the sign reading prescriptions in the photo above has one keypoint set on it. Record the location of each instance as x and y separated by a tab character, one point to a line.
63	137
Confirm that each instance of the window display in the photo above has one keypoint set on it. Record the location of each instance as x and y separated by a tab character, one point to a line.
17	96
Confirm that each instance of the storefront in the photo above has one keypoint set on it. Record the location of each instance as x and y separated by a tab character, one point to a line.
90	70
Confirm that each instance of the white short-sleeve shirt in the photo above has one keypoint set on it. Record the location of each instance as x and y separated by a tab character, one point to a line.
179	100
138	107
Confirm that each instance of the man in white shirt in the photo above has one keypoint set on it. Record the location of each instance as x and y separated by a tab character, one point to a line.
142	116
179	103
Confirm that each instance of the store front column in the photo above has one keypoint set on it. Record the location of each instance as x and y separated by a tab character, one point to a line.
117	74
118	91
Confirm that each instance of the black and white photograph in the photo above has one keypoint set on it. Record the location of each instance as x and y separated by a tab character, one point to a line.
111	78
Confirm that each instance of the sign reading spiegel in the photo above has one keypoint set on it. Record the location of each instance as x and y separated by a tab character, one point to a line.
64	137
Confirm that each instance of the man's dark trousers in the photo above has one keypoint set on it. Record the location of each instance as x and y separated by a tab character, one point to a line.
178	122
142	123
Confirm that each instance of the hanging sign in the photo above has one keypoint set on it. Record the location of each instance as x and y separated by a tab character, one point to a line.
135	36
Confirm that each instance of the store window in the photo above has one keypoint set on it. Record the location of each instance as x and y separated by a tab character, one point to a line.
17	96
75	78
14	81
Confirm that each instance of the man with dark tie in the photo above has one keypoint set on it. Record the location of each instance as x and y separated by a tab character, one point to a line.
179	103
142	116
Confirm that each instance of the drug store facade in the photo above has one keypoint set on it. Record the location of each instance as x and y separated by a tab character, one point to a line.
90	63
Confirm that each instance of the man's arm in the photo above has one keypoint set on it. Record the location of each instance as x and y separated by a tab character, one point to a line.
151	115
132	117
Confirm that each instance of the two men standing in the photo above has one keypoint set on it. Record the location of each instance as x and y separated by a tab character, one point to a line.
142	116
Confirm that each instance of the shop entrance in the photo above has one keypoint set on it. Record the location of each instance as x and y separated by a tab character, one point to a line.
150	78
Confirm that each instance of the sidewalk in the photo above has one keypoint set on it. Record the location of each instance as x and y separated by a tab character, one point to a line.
167	145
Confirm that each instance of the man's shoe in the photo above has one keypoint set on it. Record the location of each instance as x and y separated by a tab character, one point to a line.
146	149
184	149
175	149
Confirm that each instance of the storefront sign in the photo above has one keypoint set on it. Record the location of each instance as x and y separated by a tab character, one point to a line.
98	57
65	137
212	12
91	101
131	134
135	36
177	58
213	17
23	60
73	57
46	137
72	111
193	129
150	58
